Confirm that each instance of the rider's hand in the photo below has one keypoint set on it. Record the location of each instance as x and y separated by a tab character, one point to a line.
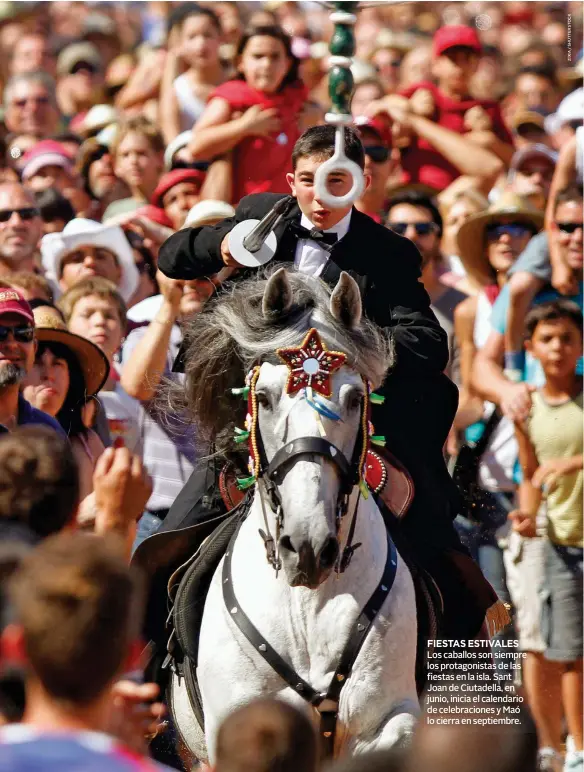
122	487
516	401
258	122
134	717
226	255
522	524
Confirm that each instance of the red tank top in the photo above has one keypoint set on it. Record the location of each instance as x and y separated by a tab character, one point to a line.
260	163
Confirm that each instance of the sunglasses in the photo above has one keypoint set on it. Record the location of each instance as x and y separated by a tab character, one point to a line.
23	334
26	213
513	229
569	227
41	101
421	228
200	166
377	153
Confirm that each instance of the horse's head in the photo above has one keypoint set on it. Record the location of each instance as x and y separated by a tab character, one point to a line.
257	325
310	445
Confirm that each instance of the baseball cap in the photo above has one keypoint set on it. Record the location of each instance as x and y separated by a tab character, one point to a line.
528	118
12	302
455	35
378	125
532	151
571	108
45	153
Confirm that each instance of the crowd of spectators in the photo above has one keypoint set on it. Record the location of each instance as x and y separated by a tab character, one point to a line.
125	122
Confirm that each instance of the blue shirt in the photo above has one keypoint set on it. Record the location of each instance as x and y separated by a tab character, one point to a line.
533	371
24	749
27	414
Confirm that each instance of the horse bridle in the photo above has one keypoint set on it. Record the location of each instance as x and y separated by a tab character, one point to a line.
269	474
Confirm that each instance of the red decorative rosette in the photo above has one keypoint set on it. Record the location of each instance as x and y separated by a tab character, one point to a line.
311	365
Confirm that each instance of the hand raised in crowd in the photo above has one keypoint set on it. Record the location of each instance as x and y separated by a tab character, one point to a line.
134	716
522	523
122	487
516	402
259	122
396	106
550	472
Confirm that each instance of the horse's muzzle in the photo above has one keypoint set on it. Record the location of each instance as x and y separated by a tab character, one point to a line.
308	569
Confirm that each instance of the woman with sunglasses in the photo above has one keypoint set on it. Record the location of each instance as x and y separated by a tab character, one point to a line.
68	372
488	245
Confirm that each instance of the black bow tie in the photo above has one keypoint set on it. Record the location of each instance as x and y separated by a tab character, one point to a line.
315	235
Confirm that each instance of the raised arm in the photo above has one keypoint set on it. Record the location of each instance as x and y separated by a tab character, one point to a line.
169	110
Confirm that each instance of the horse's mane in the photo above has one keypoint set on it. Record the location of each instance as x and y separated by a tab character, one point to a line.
231	335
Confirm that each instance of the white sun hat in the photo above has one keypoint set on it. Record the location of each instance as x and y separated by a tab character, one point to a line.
174	146
571	108
81	231
208	212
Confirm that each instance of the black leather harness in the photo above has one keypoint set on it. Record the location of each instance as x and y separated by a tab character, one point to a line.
326	703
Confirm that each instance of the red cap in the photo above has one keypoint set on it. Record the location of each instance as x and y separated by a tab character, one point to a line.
455	35
156	214
47	152
170	179
12	302
379	125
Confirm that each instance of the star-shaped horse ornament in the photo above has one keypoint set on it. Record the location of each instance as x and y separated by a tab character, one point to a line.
311	365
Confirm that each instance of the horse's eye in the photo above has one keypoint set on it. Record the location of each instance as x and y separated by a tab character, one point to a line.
355	401
263	400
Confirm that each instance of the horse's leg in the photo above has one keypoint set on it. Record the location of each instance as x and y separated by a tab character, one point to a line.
396	731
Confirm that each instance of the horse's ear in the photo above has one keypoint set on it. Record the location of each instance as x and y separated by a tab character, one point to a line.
345	303
277	298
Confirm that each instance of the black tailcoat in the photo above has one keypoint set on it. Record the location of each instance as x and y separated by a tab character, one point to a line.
420	401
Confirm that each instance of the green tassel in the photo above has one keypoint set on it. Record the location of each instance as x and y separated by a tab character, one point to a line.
376	399
243	437
364	489
243	392
245	482
378	439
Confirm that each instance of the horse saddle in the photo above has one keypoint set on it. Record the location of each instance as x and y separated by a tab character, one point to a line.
384	474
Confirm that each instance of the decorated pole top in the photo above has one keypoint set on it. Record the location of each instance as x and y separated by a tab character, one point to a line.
342	49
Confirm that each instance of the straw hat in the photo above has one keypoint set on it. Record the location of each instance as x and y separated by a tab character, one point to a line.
471	236
50	328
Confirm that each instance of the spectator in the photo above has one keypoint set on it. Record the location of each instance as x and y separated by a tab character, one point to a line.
455	57
47	165
529	129
95	165
32	287
271	98
455	211
379	165
417	217
177	192
536	88
368	90
32	53
194	44
30	105
80	84
530	174
146	265
137	152
94	310
86	248
562	125
17	346
266	736
76	602
68	370
20	228
416	65
550	452
55	210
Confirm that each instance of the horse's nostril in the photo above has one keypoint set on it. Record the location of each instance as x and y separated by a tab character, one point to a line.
329	553
286	544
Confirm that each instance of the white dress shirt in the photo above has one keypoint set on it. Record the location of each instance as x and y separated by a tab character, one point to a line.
310	257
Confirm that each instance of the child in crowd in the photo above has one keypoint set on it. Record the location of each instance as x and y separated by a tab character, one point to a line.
255	115
138	152
194	40
95	310
550	452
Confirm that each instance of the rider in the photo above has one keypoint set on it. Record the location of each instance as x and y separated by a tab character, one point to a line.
420	401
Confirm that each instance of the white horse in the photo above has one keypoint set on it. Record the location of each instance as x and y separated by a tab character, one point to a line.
308	611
